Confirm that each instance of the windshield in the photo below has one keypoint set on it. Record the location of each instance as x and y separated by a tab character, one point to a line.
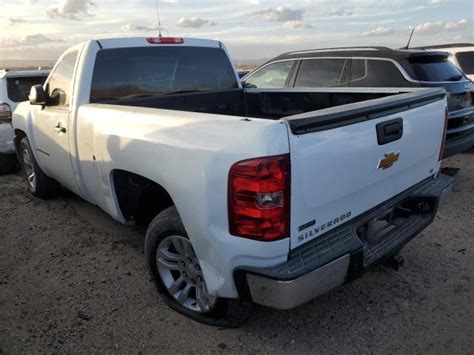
466	61
432	68
124	73
19	88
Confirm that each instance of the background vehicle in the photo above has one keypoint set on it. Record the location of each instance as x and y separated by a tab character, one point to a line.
182	147
461	55
14	88
377	67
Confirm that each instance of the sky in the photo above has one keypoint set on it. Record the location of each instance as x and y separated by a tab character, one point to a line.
250	29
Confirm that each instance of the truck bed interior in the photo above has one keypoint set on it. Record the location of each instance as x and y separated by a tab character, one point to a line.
256	103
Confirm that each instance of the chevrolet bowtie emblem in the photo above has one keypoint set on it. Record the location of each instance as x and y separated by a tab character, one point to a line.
388	160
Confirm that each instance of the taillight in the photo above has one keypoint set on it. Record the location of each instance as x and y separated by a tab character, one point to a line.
5	113
259	198
443	143
165	40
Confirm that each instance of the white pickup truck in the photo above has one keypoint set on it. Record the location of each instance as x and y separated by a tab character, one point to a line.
252	196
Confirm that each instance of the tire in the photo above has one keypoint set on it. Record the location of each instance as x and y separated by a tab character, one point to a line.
165	230
8	164
38	183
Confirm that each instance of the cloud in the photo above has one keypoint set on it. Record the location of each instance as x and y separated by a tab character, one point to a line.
12	21
280	13
342	11
433	2
193	22
130	27
71	9
29	41
294	25
440	26
379	31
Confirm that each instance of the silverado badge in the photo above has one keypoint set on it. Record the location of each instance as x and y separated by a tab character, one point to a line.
388	160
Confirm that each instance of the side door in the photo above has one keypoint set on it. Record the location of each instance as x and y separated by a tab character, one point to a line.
323	72
52	124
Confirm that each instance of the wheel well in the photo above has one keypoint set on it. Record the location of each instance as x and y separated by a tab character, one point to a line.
140	199
19	135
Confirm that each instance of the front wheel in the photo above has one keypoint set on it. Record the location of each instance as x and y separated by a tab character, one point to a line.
177	273
39	184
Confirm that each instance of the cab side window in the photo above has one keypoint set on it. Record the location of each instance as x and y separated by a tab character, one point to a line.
59	86
323	73
273	76
376	73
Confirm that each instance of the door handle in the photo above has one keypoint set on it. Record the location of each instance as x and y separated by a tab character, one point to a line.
389	131
59	128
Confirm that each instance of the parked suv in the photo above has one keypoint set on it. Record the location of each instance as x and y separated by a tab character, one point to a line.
462	55
377	67
14	88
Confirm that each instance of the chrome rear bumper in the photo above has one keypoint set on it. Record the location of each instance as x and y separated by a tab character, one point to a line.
290	294
344	253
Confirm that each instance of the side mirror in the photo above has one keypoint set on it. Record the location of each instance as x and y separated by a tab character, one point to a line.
37	95
248	85
57	98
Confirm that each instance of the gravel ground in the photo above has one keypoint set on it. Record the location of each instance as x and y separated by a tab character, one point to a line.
74	281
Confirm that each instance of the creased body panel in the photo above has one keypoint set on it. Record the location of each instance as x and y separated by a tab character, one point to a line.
339	173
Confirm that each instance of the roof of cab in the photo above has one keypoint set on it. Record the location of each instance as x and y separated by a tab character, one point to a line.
365	52
142	42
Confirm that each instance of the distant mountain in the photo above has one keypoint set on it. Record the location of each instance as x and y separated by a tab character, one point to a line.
13	64
248	64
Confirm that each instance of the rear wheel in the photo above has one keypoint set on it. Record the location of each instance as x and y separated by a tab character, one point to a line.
177	273
8	164
38	183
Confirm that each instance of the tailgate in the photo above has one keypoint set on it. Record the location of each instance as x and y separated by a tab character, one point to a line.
348	159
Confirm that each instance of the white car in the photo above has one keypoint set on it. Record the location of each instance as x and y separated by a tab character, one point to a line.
250	196
461	55
14	88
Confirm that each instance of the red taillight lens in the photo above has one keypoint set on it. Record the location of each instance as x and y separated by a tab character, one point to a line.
5	113
443	143
259	198
165	40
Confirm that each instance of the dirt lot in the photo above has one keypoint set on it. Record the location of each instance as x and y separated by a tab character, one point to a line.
74	281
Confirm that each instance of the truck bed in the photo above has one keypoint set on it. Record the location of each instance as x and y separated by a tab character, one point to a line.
258	103
335	142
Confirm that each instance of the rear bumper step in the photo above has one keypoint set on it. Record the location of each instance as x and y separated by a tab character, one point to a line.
346	252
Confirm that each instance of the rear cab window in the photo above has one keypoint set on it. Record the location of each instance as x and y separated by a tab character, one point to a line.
18	88
124	73
466	62
433	68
